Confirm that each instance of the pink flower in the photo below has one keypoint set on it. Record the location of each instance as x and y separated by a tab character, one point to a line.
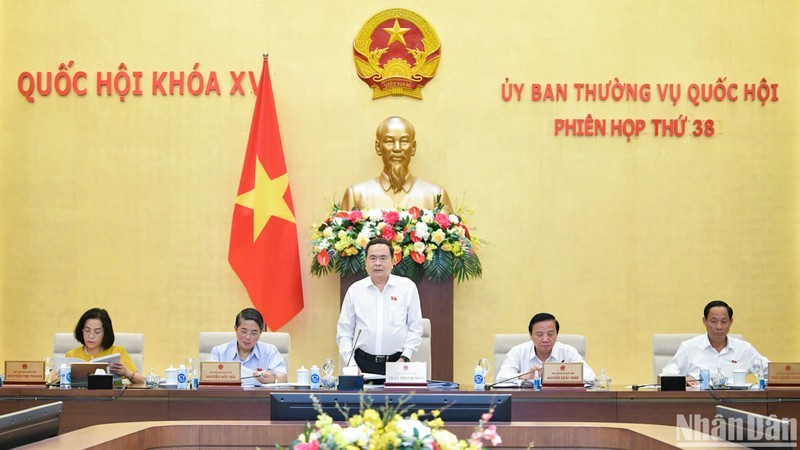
442	220
388	233
313	445
391	217
356	215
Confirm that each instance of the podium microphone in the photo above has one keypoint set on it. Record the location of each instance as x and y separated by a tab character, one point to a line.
488	387
353	350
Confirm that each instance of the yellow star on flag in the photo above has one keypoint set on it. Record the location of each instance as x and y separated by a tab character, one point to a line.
266	199
396	33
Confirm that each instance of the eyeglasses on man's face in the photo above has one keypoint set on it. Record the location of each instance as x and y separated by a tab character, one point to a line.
252	333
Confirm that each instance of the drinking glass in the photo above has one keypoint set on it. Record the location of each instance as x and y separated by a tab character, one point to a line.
486	365
758	369
48	367
329	381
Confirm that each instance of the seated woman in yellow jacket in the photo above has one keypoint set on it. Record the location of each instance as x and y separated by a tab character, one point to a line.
95	331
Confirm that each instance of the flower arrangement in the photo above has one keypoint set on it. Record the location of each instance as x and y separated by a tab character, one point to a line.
388	429
427	242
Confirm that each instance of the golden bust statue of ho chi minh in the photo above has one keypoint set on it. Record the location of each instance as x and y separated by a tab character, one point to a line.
395	187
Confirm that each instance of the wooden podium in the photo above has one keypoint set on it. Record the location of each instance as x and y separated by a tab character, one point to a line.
436	301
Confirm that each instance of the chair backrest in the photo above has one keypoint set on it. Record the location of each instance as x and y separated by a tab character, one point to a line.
504	342
210	339
423	353
666	345
132	342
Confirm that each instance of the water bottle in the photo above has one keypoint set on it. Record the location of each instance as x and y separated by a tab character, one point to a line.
195	380
537	381
66	376
705	379
478	379
183	381
315	377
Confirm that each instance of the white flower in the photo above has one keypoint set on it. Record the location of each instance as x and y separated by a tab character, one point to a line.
327	232
453	218
445	439
419	247
421	230
427	217
323	244
375	215
404	215
369	230
358	436
407	431
337	221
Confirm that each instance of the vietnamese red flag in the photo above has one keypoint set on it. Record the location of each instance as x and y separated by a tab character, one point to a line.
263	250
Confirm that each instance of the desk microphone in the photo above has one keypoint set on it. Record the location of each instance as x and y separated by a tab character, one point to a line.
353	350
490	386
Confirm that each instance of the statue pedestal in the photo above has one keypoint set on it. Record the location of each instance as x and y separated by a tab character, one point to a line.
436	301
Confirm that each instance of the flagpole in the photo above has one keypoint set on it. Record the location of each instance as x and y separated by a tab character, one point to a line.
266	55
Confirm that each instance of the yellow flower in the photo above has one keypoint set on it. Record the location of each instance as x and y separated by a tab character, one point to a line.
438	236
436	423
447	246
343	244
341	234
356	420
362	240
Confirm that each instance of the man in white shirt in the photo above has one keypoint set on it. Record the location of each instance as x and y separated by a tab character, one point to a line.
380	314
715	350
523	359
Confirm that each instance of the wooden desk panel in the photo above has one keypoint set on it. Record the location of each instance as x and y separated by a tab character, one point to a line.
563	405
784	402
83	408
663	408
251	434
219	404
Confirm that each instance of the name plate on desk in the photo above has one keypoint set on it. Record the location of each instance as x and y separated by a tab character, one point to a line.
24	372
406	374
562	374
784	374
219	372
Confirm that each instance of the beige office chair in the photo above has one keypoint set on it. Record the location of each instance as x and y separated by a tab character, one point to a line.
504	342
210	339
133	343
666	345
423	353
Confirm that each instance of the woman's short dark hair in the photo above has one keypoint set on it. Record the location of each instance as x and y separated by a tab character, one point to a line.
105	319
250	314
542	317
